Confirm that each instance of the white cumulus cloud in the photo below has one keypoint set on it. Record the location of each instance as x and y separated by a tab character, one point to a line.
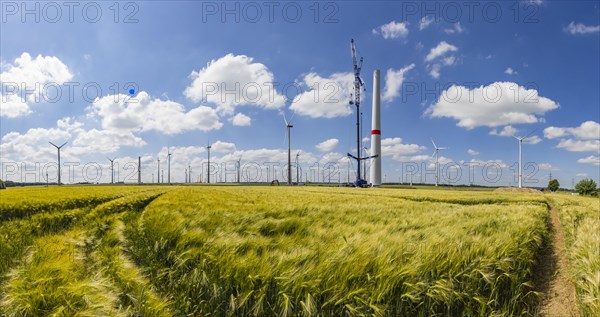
146	114
456	28
437	57
327	145
241	120
397	150
33	146
580	28
579	145
498	104
324	97
223	147
534	139
441	49
506	131
435	71
594	160
30	74
393	82
103	141
587	130
472	152
425	22
547	167
392	30
234	80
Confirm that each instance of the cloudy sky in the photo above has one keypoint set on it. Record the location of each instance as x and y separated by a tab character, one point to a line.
135	79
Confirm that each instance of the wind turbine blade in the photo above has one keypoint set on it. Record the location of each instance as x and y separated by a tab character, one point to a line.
443	148
433	154
53	144
435	146
532	132
292	118
516	137
64	144
284	118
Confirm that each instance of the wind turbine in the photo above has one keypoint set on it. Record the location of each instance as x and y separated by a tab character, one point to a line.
238	165
158	171
298	168
169	165
520	140
288	125
437	164
58	148
112	171
208	146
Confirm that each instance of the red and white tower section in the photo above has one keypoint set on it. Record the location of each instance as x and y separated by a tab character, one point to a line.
376	132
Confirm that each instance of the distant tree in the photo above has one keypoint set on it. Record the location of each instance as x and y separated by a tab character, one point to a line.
586	187
2	186
553	185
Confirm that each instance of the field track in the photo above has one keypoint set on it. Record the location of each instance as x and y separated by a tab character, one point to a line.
558	292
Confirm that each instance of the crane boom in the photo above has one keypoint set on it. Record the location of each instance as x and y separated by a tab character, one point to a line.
358	83
353	51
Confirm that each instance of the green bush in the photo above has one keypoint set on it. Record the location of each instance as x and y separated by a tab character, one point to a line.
2	186
553	185
586	187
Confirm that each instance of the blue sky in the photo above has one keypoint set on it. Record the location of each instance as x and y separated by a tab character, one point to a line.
547	51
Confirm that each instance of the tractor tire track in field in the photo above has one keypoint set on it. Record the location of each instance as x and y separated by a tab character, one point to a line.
107	256
100	258
552	276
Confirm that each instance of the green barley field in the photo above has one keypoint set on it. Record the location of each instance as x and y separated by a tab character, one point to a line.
286	251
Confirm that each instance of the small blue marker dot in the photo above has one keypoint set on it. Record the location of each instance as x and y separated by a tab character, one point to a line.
131	91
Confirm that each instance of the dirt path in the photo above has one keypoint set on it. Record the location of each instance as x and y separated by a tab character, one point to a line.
552	275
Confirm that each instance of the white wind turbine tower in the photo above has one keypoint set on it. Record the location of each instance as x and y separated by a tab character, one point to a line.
169	153
112	171
238	166
288	125
158	171
208	147
437	164
298	168
520	140
58	148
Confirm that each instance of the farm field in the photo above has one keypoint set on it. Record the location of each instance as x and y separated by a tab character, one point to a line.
286	251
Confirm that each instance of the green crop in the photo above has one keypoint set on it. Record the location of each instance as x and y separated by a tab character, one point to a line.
580	219
289	251
285	251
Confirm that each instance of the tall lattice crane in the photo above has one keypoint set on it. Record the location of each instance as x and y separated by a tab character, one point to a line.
358	85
